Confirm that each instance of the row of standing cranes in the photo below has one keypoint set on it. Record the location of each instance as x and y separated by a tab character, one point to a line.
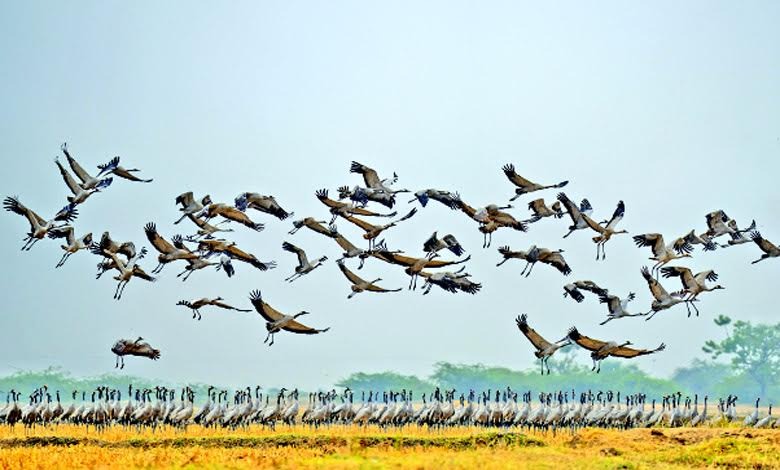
502	408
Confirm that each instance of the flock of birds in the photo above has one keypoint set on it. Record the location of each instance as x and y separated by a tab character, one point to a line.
206	246
161	406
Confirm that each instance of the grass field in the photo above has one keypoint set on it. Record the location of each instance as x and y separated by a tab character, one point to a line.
352	447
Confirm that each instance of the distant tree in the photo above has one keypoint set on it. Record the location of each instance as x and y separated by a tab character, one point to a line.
754	350
703	377
361	381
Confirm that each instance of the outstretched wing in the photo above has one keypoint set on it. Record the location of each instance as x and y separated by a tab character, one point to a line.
557	261
72	185
220	304
353	278
302	259
160	244
654	240
584	341
535	338
322	195
765	245
345	244
269	313
395	258
367	227
571	207
656	288
74	165
370	176
685	275
185	199
126	174
12	204
453	245
627	352
431	244
65	231
301	329
232	213
612	301
617	216
517	180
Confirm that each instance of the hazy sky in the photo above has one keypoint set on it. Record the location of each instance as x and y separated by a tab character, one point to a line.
672	107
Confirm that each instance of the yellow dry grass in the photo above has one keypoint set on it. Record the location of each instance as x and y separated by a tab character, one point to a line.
359	448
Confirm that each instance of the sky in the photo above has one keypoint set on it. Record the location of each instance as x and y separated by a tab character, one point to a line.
672	107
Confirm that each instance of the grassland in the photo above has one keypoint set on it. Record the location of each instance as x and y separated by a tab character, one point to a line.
352	447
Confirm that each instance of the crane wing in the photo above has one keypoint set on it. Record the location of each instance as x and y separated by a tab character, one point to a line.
656	288
65	231
627	352
517	180
158	242
370	176
12	204
185	199
302	259
269	313
74	165
353	278
765	245
586	342
72	185
617	216
322	195
571	208
535	338
294	326
556	260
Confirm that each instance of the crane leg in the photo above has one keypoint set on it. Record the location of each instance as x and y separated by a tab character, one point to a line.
530	268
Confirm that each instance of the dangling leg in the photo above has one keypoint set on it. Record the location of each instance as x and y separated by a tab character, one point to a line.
267	337
531	268
694	306
122	291
541	365
116	292
62	260
594	366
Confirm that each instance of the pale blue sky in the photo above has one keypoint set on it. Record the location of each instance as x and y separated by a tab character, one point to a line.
673	107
